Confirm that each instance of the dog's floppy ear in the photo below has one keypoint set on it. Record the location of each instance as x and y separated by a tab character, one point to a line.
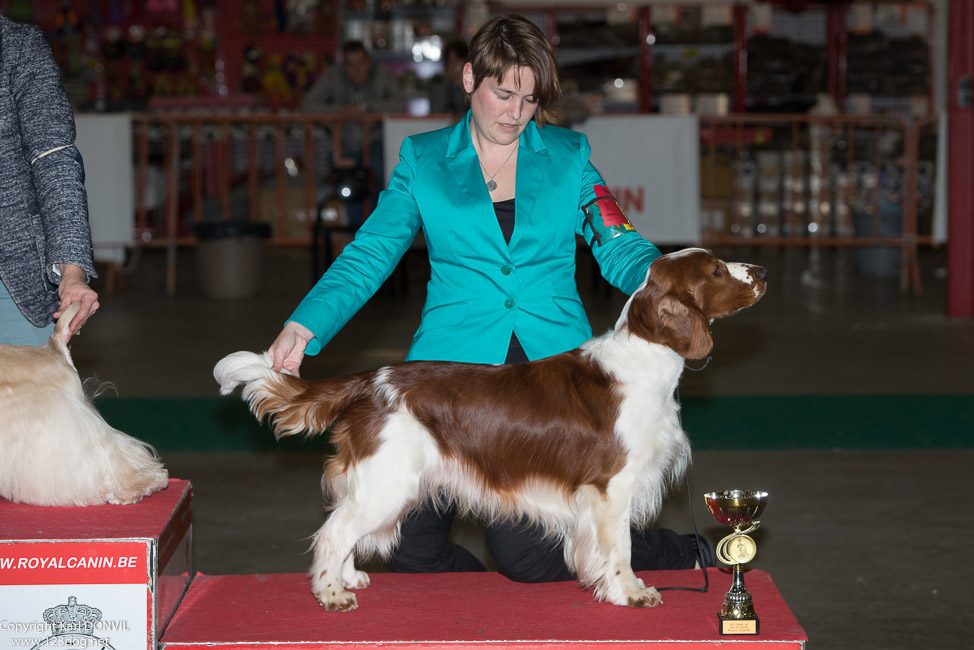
658	315
683	328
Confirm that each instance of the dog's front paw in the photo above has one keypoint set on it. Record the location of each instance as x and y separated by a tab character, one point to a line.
645	597
356	580
126	500
142	484
623	588
335	599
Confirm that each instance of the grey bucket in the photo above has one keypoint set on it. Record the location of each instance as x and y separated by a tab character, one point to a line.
230	258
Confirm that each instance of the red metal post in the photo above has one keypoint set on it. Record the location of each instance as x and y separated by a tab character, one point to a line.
739	104
645	62
551	28
960	248
932	62
838	38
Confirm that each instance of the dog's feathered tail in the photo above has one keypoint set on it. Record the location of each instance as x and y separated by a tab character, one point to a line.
293	405
58	337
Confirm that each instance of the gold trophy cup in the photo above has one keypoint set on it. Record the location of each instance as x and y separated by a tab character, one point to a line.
738	509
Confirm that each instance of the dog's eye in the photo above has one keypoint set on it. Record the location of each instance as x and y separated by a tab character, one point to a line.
716	273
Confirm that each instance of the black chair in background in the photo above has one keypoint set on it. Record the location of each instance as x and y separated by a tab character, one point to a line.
342	198
341	208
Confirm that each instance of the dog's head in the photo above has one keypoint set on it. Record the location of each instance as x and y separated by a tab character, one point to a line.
683	292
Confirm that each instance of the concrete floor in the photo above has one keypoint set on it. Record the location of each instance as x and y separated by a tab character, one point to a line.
867	547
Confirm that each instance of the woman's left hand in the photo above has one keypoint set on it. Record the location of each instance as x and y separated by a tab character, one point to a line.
72	289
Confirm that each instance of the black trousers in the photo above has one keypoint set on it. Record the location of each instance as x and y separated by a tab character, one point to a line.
519	550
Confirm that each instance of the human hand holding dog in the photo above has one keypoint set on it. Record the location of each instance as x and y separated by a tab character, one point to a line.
73	288
287	350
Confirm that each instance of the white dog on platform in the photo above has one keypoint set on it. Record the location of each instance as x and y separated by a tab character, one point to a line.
55	448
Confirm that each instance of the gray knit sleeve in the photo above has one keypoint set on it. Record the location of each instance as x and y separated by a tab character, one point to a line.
47	132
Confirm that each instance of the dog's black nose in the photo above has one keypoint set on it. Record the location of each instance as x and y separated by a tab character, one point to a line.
762	273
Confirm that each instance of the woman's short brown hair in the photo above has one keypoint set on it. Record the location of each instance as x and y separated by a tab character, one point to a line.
514	40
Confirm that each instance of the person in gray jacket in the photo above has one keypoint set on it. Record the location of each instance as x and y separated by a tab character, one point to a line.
45	241
356	87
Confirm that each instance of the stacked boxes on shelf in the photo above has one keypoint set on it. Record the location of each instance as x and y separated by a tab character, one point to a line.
820	195
717	193
794	202
746	175
770	196
842	207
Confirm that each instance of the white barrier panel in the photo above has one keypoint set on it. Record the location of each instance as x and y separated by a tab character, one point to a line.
105	143
397	129
651	163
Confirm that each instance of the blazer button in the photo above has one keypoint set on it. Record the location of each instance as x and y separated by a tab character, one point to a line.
506	269
509	303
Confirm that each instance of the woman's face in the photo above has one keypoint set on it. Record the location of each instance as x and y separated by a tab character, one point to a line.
501	111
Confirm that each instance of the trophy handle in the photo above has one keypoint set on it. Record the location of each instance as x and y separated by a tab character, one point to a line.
753	527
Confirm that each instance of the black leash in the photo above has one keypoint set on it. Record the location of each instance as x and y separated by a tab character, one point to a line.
693	521
703	564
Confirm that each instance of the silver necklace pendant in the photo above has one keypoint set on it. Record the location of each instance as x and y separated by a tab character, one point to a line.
491	184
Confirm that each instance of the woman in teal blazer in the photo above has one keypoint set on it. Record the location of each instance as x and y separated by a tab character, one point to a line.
500	198
482	289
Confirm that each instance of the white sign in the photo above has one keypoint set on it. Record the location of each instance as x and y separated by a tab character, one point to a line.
80	617
110	182
397	129
652	165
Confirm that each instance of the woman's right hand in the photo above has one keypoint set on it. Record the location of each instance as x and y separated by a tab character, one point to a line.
287	350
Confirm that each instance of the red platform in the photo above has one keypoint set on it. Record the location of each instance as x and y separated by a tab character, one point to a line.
132	563
467	610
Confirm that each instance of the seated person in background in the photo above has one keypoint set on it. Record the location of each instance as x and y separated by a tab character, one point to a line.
357	87
446	89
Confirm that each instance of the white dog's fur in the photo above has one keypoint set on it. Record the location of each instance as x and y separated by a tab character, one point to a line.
55	448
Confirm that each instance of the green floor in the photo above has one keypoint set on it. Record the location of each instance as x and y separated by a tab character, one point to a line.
779	422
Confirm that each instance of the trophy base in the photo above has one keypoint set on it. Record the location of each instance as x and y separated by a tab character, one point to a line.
730	626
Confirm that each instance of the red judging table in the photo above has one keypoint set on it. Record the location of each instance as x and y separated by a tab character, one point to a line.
111	576
467	610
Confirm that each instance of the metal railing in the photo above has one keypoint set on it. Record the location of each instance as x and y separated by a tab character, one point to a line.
803	180
770	180
222	167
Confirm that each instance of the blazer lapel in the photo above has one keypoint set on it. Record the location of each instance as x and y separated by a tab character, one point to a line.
461	160
532	169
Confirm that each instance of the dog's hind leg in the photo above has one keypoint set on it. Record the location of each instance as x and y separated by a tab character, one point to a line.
380	490
333	569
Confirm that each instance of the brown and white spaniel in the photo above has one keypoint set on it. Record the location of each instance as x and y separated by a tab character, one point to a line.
583	443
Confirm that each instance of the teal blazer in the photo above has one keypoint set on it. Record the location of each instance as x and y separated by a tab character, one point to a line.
481	289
